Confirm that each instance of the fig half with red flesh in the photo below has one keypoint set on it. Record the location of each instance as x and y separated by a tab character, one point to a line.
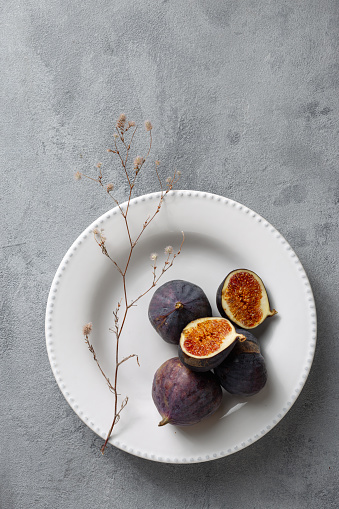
242	298
206	342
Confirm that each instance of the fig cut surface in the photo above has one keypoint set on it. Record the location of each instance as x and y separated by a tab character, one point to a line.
206	342
242	298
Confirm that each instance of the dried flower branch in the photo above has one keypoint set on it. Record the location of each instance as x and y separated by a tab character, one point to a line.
122	147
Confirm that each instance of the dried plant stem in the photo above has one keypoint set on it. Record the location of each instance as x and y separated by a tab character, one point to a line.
118	331
168	264
122	127
91	349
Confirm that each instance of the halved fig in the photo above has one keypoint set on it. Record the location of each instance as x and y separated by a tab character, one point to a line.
243	372
242	298
206	342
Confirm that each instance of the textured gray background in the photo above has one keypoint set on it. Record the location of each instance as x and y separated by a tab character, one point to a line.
243	96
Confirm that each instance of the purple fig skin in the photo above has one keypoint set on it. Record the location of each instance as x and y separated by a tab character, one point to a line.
249	335
243	373
203	365
219	299
174	305
183	397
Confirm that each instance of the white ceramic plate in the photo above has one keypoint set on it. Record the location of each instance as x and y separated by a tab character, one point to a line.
220	235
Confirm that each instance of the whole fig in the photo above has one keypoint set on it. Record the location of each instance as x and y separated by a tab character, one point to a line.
174	305
184	397
243	372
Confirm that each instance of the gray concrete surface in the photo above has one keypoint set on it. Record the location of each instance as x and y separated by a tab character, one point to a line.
243	97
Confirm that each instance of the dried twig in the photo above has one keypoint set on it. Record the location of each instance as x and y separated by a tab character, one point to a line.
121	136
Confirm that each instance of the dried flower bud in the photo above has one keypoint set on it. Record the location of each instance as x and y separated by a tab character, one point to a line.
102	236
96	231
121	121
131	124
168	250
138	161
154	256
115	136
77	175
178	173
86	330
169	180
110	187
148	125
157	162
99	165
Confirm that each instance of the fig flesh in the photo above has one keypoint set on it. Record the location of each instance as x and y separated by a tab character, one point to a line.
243	372
242	298
206	342
175	304
182	397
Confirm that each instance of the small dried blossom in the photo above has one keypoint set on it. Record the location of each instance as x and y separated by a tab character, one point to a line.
131	124
157	162
121	121
148	125
138	161
168	250
109	187
115	136
101	235
154	256
169	180
99	165
77	175
87	329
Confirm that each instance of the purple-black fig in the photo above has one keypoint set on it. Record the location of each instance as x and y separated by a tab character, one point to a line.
206	342
242	298
248	335
174	305
243	372
183	397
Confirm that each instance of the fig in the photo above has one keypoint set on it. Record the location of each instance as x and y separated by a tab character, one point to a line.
175	304
183	397
206	342
242	298
248	335
244	372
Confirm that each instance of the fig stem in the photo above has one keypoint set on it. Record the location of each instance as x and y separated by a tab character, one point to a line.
241	338
164	421
272	312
